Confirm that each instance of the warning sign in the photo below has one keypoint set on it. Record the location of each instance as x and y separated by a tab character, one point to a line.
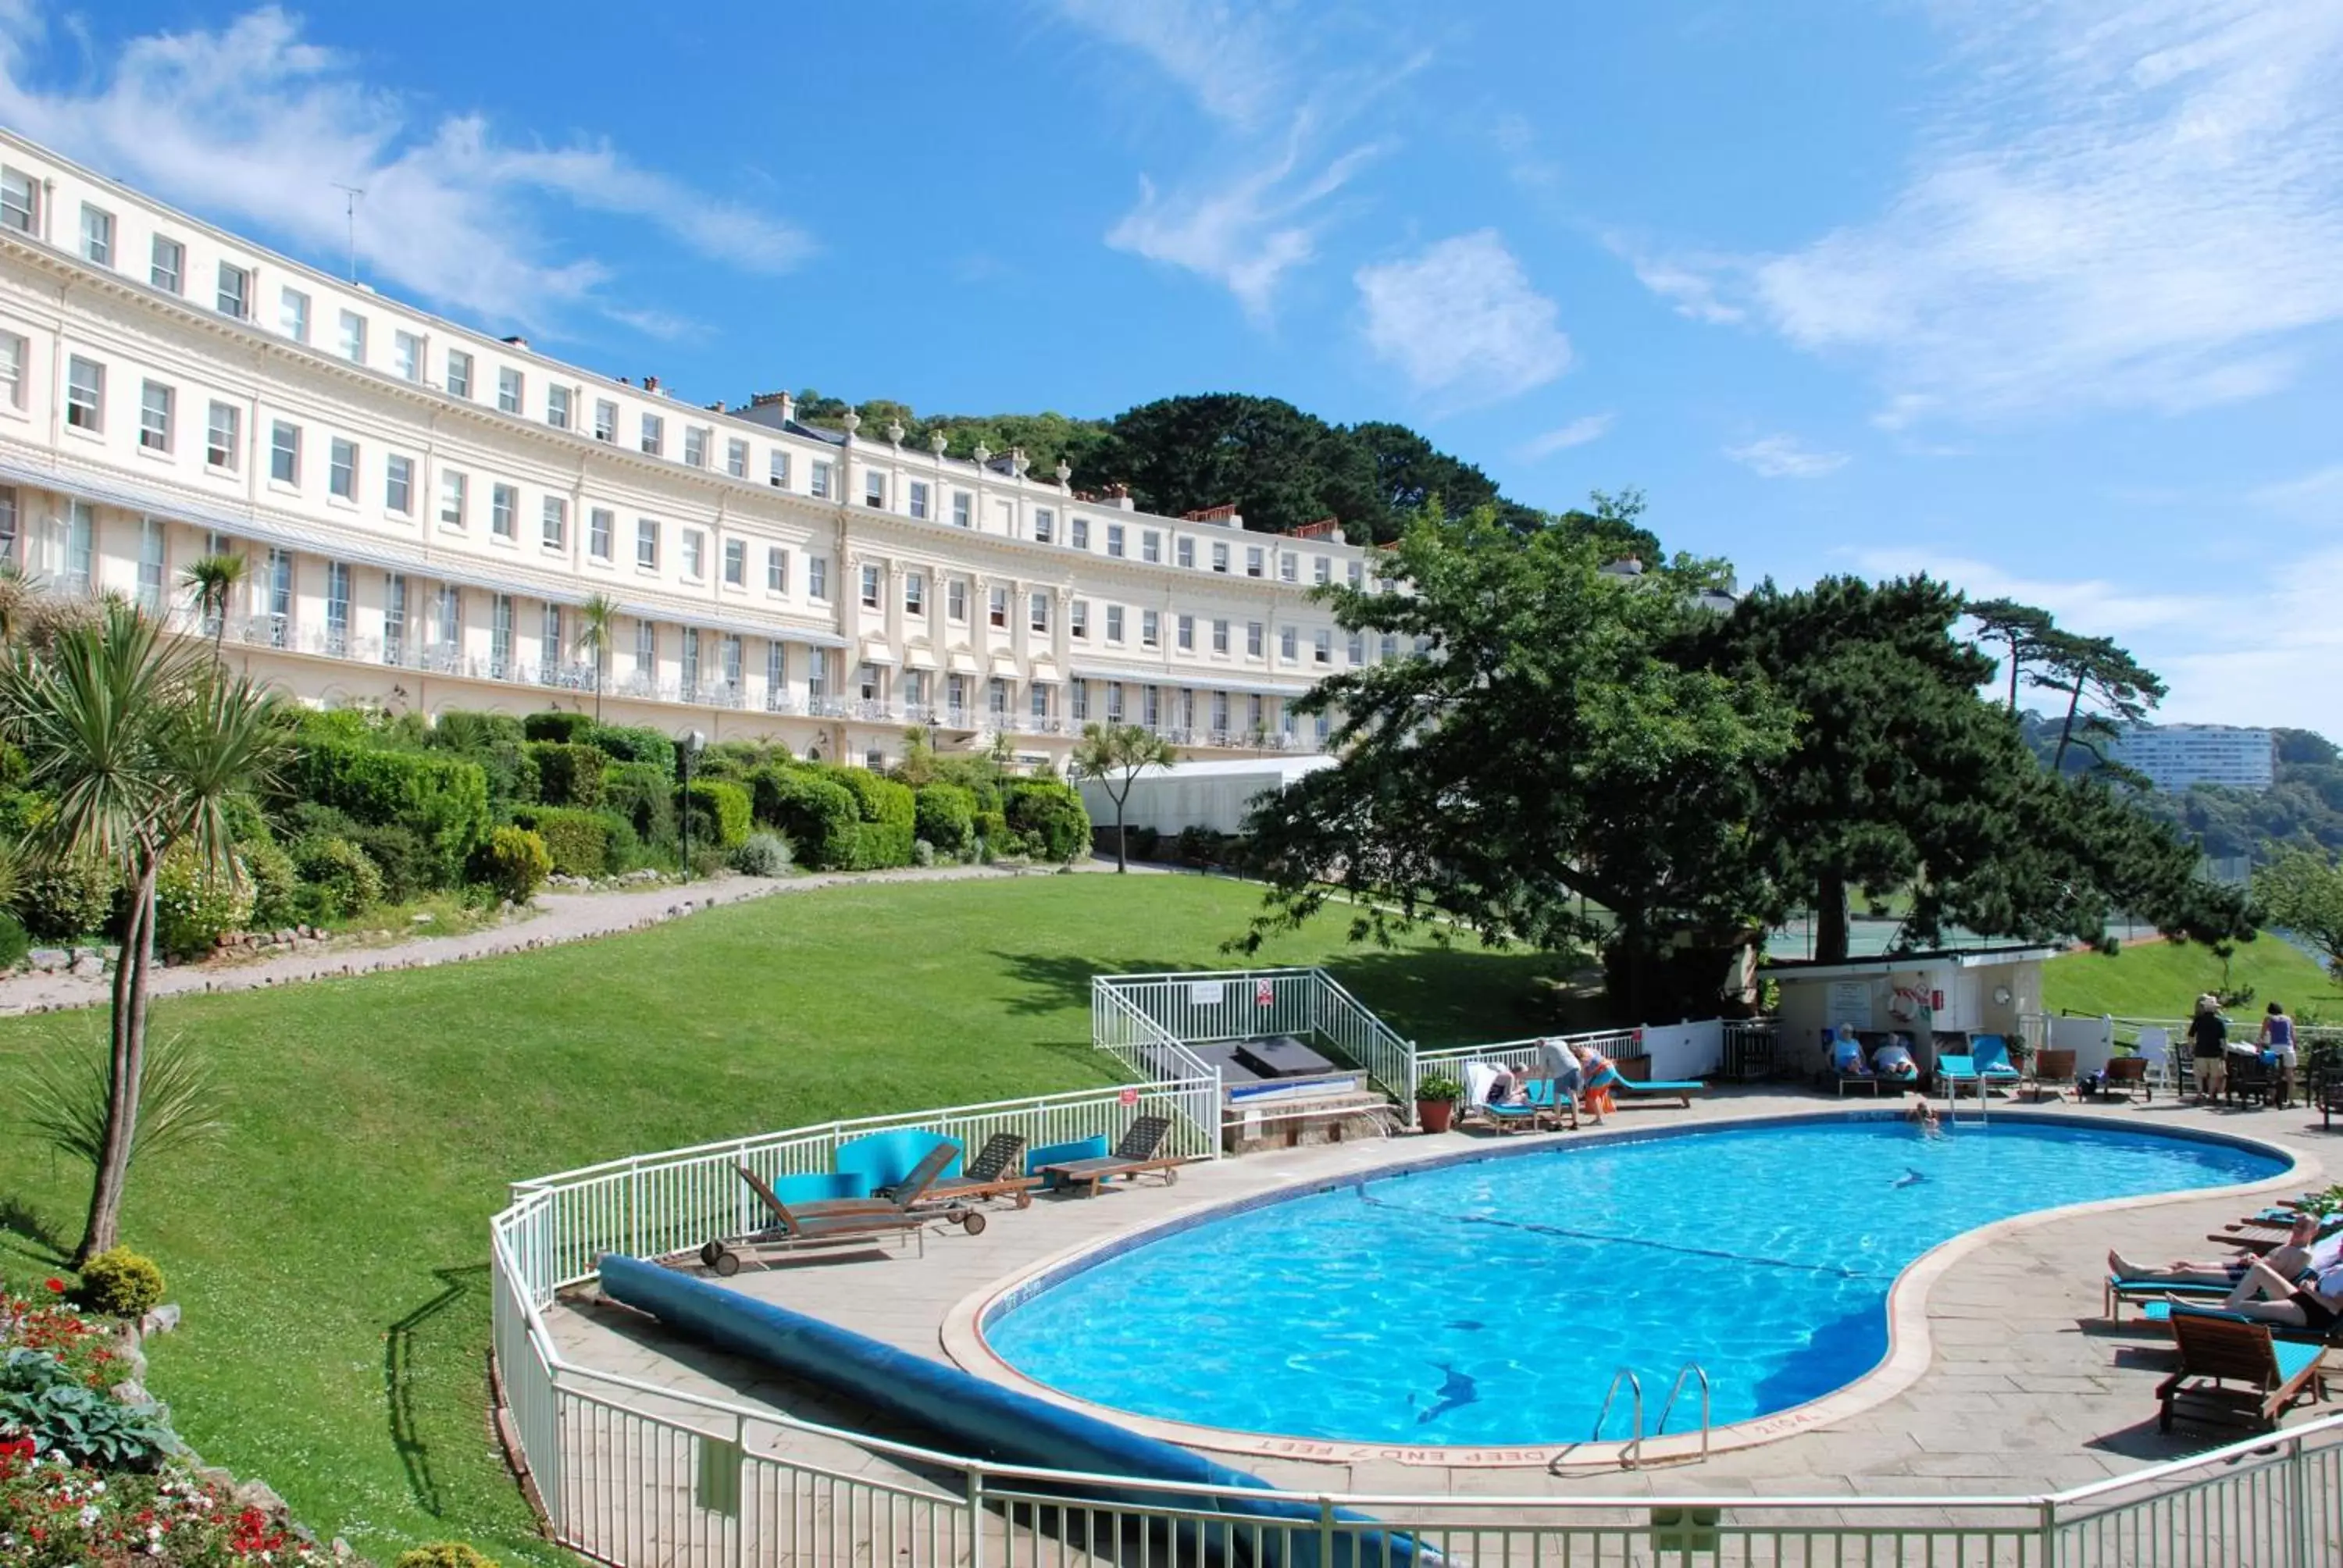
1264	993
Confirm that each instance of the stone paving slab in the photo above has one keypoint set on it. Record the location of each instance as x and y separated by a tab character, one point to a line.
2024	1391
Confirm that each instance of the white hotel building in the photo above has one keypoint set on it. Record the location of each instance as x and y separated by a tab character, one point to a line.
425	508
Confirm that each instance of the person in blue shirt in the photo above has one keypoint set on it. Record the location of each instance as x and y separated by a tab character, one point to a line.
1846	1053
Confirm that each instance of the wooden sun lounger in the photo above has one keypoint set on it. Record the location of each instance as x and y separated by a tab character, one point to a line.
1134	1156
829	1223
2218	1352
994	1173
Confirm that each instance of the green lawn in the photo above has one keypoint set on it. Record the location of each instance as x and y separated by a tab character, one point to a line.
330	1256
2164	979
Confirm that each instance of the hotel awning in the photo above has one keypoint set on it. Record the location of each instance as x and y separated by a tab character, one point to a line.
876	651
918	657
962	661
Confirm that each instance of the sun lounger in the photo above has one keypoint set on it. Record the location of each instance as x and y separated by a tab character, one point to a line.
1954	1072
2156	1311
2149	1294
1628	1086
1134	1156
826	1223
994	1173
1990	1055
1542	1107
2127	1073
2217	1352
2055	1069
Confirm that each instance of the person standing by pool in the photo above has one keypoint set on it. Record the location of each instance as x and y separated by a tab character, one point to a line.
2208	1045
1561	1064
1599	1074
2276	1038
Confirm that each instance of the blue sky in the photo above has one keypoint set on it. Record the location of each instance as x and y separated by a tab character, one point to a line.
2042	298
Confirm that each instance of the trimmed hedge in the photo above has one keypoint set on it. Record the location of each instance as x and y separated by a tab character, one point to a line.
621	744
720	813
559	726
643	795
513	861
945	816
1049	814
818	814
889	813
578	840
568	775
444	799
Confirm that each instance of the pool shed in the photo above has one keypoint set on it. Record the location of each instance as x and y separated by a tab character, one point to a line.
1925	995
1213	796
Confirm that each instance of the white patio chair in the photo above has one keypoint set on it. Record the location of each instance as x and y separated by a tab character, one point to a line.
2156	1050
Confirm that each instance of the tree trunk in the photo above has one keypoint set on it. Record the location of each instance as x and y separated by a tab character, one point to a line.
2066	730
2013	672
1831	939
1122	841
126	1062
597	687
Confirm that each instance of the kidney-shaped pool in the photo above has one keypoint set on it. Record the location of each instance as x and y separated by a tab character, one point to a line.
1490	1301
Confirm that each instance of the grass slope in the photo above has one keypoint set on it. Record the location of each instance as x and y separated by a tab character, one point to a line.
2164	979
330	1254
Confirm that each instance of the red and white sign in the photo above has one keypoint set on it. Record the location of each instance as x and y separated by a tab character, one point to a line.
1264	993
1129	1097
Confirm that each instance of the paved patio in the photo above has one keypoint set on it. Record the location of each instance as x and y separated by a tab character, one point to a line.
2021	1389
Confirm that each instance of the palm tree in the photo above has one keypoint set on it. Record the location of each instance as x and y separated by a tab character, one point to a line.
598	627
1115	755
18	587
212	581
143	744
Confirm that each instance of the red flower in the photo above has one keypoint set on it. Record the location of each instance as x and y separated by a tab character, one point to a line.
56	1286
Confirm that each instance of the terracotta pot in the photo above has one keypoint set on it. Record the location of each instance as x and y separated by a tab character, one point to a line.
1435	1115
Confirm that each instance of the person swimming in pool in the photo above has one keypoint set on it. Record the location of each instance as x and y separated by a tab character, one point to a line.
1923	1117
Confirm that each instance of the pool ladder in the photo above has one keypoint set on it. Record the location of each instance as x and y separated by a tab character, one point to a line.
1631	1457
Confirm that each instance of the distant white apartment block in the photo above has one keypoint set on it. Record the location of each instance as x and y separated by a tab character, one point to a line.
2176	756
425	508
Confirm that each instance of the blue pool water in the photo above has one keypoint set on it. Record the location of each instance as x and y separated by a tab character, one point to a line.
1489	1302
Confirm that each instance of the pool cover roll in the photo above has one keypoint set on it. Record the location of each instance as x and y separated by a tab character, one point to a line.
985	1421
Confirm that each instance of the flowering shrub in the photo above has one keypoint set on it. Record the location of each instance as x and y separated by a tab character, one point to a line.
42	1321
54	1514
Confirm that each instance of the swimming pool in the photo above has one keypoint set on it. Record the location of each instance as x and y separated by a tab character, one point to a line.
1489	1302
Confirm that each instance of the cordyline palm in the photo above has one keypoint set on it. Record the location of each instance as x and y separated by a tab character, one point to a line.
598	624
212	581
1115	756
143	744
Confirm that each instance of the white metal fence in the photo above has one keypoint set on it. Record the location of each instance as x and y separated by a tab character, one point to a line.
1211	1007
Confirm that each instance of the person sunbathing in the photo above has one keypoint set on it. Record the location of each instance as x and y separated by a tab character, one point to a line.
2289	1260
1893	1060
1846	1054
2314	1302
1511	1087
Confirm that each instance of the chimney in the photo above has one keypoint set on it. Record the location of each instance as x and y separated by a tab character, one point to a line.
521	343
650	385
717	407
1120	496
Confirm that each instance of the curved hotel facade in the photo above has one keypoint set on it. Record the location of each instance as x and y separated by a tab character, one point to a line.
424	509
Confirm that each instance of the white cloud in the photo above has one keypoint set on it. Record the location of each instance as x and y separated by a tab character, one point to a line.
1230	62
2128	204
1245	234
1785	458
1462	320
1686	283
254	124
1577	433
2316	497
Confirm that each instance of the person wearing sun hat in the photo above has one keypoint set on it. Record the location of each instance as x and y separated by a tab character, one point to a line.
2209	1047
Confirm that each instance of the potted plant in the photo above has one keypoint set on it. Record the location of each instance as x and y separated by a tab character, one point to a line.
1435	1102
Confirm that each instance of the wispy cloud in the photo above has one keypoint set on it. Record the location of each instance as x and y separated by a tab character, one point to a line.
1228	59
254	124
1461	319
1577	433
1689	283
2137	205
2314	497
2097	605
1785	458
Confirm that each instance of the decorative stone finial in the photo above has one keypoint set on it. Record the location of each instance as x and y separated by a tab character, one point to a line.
984	454
851	421
894	432
1018	461
936	442
1065	471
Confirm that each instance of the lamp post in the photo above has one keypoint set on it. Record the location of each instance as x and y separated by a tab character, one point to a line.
688	744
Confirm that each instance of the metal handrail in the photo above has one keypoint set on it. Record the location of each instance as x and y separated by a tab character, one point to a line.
1689	1369
1633	1454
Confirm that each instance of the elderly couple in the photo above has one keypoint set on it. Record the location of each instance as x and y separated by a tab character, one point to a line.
2300	1283
1576	1070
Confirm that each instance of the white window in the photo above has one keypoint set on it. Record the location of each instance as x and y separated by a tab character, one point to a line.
606	420
776	670
150	566
1114	703
394	619
1078	704
1253	560
293	314
399	484
508	389
1219	713
548	642
646	543
503	505
735	456
1285	566
963	509
1115	538
1078	618
1045	526
1185	629
1253	640
869	587
600	525
1114	623
695	446
915	594
1219	557
554	523
337	606
342	468
996	605
654	434
1358	648
154	417
1285	644
448	614
12	352
353	337
167	268
1322	650
97	235
874	489
223	435
1321	569
1151	628
500	632
735	563
1390	645
1079	535
695	554
691	660
452	487
84	394
820	480
1184	552
776	569
1039	697
647	648
459	374
818	672
406	356
81	536
917	502
956	599
1220	636
20	202
284	453
817	577
557	407
7	522
1037	612
1151	546
235	292
779	473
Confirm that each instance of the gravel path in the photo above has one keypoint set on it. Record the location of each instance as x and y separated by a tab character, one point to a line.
561	918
